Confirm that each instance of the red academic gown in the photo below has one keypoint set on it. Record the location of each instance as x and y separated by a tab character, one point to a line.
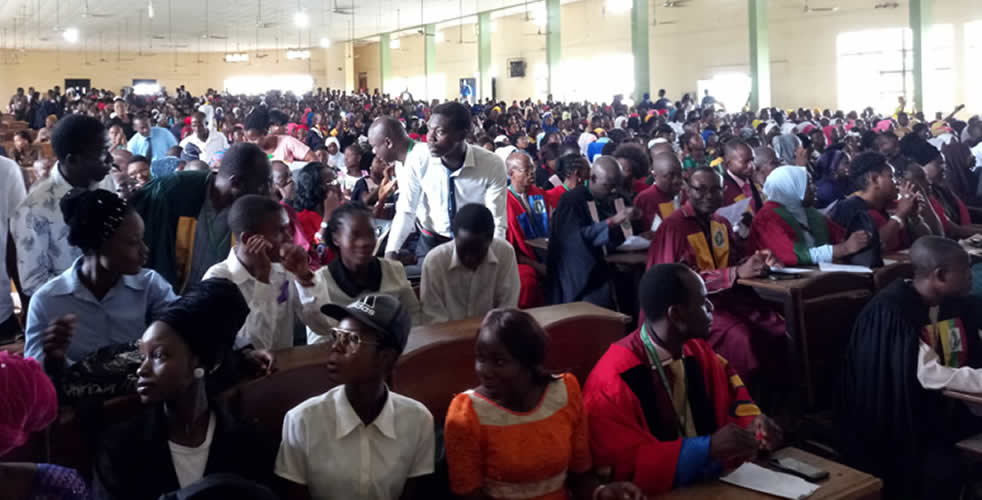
964	218
774	228
743	325
552	196
733	192
653	202
634	428
531	294
639	185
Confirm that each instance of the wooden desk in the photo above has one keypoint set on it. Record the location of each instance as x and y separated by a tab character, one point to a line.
843	483
467	328
628	258
829	303
967	397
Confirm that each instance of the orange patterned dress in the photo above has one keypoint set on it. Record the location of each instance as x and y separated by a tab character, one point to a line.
511	455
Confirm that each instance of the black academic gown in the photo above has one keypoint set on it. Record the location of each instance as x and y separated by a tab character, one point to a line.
576	265
891	426
134	461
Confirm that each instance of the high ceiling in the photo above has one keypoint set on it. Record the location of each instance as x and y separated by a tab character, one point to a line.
215	25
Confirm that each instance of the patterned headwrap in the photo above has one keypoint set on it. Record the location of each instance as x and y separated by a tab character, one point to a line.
29	401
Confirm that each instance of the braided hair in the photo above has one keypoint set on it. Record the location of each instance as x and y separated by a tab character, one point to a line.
92	217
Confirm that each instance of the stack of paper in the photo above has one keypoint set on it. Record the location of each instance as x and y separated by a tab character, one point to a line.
634	243
828	267
779	484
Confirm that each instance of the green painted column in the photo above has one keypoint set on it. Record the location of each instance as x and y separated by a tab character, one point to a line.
553	42
639	45
429	58
384	60
484	54
760	55
920	19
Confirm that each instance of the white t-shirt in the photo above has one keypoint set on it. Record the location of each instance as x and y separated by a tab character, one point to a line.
327	447
189	463
13	193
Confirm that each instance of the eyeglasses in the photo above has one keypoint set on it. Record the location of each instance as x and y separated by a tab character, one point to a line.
349	341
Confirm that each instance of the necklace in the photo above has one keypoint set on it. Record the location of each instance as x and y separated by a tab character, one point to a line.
655	360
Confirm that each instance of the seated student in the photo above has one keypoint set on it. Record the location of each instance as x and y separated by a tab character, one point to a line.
355	273
257	264
522	429
738	180
698	238
866	210
187	213
359	440
138	170
317	196
30	404
665	410
377	188
106	296
832	173
548	157
796	233
954	215
580	238
473	273
352	172
914	339
572	170
661	200
183	434
528	218
635	165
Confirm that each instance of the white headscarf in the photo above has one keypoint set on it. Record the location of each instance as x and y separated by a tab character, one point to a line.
787	185
336	160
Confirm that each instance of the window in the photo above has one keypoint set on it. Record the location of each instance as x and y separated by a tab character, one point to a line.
253	85
582	79
730	89
875	67
973	71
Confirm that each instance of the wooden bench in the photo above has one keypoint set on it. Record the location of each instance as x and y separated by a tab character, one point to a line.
439	360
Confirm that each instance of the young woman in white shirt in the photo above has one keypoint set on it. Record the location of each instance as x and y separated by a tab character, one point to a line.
355	272
183	435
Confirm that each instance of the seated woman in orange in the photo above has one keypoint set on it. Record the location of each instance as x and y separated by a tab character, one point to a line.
522	433
797	233
528	219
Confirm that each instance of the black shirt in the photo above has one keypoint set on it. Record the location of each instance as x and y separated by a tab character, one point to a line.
853	215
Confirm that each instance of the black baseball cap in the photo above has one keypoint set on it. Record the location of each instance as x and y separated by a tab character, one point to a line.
383	313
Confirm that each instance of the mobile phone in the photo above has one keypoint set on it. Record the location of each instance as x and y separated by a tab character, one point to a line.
799	468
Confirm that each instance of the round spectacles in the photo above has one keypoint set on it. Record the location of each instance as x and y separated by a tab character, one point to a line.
348	340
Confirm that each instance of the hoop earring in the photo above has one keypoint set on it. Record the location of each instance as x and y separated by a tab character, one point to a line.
199	373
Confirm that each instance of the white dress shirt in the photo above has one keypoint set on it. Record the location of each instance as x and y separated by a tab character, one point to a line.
424	193
273	306
327	447
40	233
216	142
12	187
451	291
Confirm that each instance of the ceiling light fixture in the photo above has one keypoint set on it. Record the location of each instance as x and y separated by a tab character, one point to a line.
70	35
236	57
395	43
301	19
325	43
150	10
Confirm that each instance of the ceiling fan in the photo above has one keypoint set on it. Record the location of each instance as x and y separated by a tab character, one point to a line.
675	3
259	18
886	5
654	16
808	10
86	14
207	33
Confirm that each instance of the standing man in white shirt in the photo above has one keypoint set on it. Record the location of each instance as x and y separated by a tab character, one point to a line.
209	141
81	145
359	440
445	174
12	187
471	275
389	140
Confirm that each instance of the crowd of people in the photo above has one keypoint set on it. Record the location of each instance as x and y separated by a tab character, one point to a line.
176	243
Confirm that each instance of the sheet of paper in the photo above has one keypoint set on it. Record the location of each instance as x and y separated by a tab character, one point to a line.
634	244
791	270
889	262
828	267
754	477
734	212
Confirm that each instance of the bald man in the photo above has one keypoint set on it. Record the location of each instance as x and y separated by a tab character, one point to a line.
765	161
528	219
661	200
389	140
582	233
913	340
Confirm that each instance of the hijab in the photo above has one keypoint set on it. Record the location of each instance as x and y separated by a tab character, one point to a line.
787	185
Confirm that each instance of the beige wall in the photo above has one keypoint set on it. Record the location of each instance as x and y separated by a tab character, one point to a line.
45	69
